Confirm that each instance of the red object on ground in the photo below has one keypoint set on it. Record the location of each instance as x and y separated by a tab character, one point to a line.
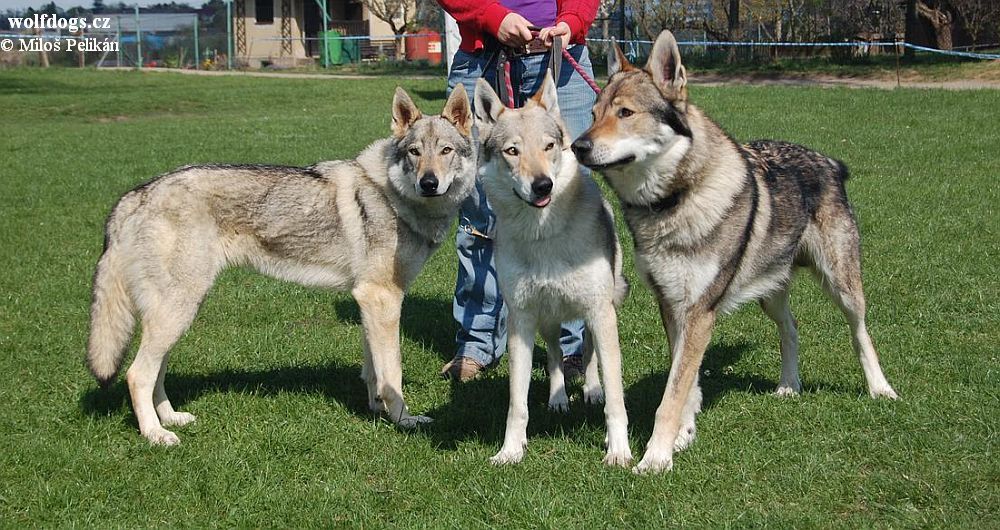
426	46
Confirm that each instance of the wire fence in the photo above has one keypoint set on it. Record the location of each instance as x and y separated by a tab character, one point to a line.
178	41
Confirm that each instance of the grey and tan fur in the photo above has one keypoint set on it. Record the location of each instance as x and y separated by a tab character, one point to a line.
716	224
557	260
365	225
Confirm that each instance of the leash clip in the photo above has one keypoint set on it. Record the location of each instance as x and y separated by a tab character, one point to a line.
472	231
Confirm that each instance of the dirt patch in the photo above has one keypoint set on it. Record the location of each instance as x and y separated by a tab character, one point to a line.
111	119
907	79
834	81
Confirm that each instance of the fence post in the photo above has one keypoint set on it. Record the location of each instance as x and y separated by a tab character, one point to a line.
197	56
326	36
897	47
229	34
118	37
138	40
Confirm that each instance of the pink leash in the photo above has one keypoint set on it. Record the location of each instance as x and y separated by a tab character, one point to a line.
510	88
566	55
579	69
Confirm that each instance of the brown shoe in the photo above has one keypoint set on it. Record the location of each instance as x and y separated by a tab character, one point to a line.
572	367
461	369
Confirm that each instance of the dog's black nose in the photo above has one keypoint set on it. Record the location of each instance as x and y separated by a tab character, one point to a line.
429	183
542	186
582	146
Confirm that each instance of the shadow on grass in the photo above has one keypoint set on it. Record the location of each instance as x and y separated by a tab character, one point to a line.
340	383
478	409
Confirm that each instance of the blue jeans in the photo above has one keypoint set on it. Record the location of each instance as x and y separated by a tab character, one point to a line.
478	306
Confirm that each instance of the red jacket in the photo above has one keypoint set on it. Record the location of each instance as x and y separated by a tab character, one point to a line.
477	18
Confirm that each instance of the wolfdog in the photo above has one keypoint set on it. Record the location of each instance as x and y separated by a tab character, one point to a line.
716	224
365	225
557	259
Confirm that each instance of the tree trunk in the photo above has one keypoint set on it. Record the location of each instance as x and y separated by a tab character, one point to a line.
732	26
941	20
909	26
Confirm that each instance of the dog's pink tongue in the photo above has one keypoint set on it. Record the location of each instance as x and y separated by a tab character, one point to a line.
543	202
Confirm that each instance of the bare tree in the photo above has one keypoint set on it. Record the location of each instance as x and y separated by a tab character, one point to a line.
654	16
852	18
398	14
978	16
941	19
604	15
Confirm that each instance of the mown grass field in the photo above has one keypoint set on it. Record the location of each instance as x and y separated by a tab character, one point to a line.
283	436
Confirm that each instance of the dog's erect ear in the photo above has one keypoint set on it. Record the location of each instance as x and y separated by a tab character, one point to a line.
488	107
404	112
458	111
617	62
546	96
665	66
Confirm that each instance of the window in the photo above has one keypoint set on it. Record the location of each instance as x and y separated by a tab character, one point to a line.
264	10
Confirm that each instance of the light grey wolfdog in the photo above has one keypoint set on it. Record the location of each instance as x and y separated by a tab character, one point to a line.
365	225
716	224
557	259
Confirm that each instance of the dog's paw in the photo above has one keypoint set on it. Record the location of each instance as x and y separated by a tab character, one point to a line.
883	392
593	396
618	455
376	405
786	391
177	419
559	402
161	436
788	388
654	462
508	455
412	422
685	437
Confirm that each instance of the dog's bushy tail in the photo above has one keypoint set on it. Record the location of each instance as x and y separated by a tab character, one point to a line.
112	319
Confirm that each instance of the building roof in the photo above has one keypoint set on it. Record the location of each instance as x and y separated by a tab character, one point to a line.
151	22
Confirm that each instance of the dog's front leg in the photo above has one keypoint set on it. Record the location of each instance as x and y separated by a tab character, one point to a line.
603	328
380	311
688	351
375	403
521	341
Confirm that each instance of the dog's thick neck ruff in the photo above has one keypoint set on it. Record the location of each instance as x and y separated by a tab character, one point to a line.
663	205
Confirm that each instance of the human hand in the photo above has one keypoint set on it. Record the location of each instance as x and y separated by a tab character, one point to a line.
559	30
513	30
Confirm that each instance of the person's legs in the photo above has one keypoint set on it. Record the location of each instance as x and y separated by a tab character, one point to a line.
477	307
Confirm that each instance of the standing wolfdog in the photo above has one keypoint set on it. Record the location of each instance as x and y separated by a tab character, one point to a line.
366	225
716	224
557	258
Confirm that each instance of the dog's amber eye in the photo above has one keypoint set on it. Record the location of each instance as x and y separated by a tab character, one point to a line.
414	151
446	150
625	113
550	146
512	151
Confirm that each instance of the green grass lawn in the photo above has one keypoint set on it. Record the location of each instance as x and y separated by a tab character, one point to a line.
283	436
